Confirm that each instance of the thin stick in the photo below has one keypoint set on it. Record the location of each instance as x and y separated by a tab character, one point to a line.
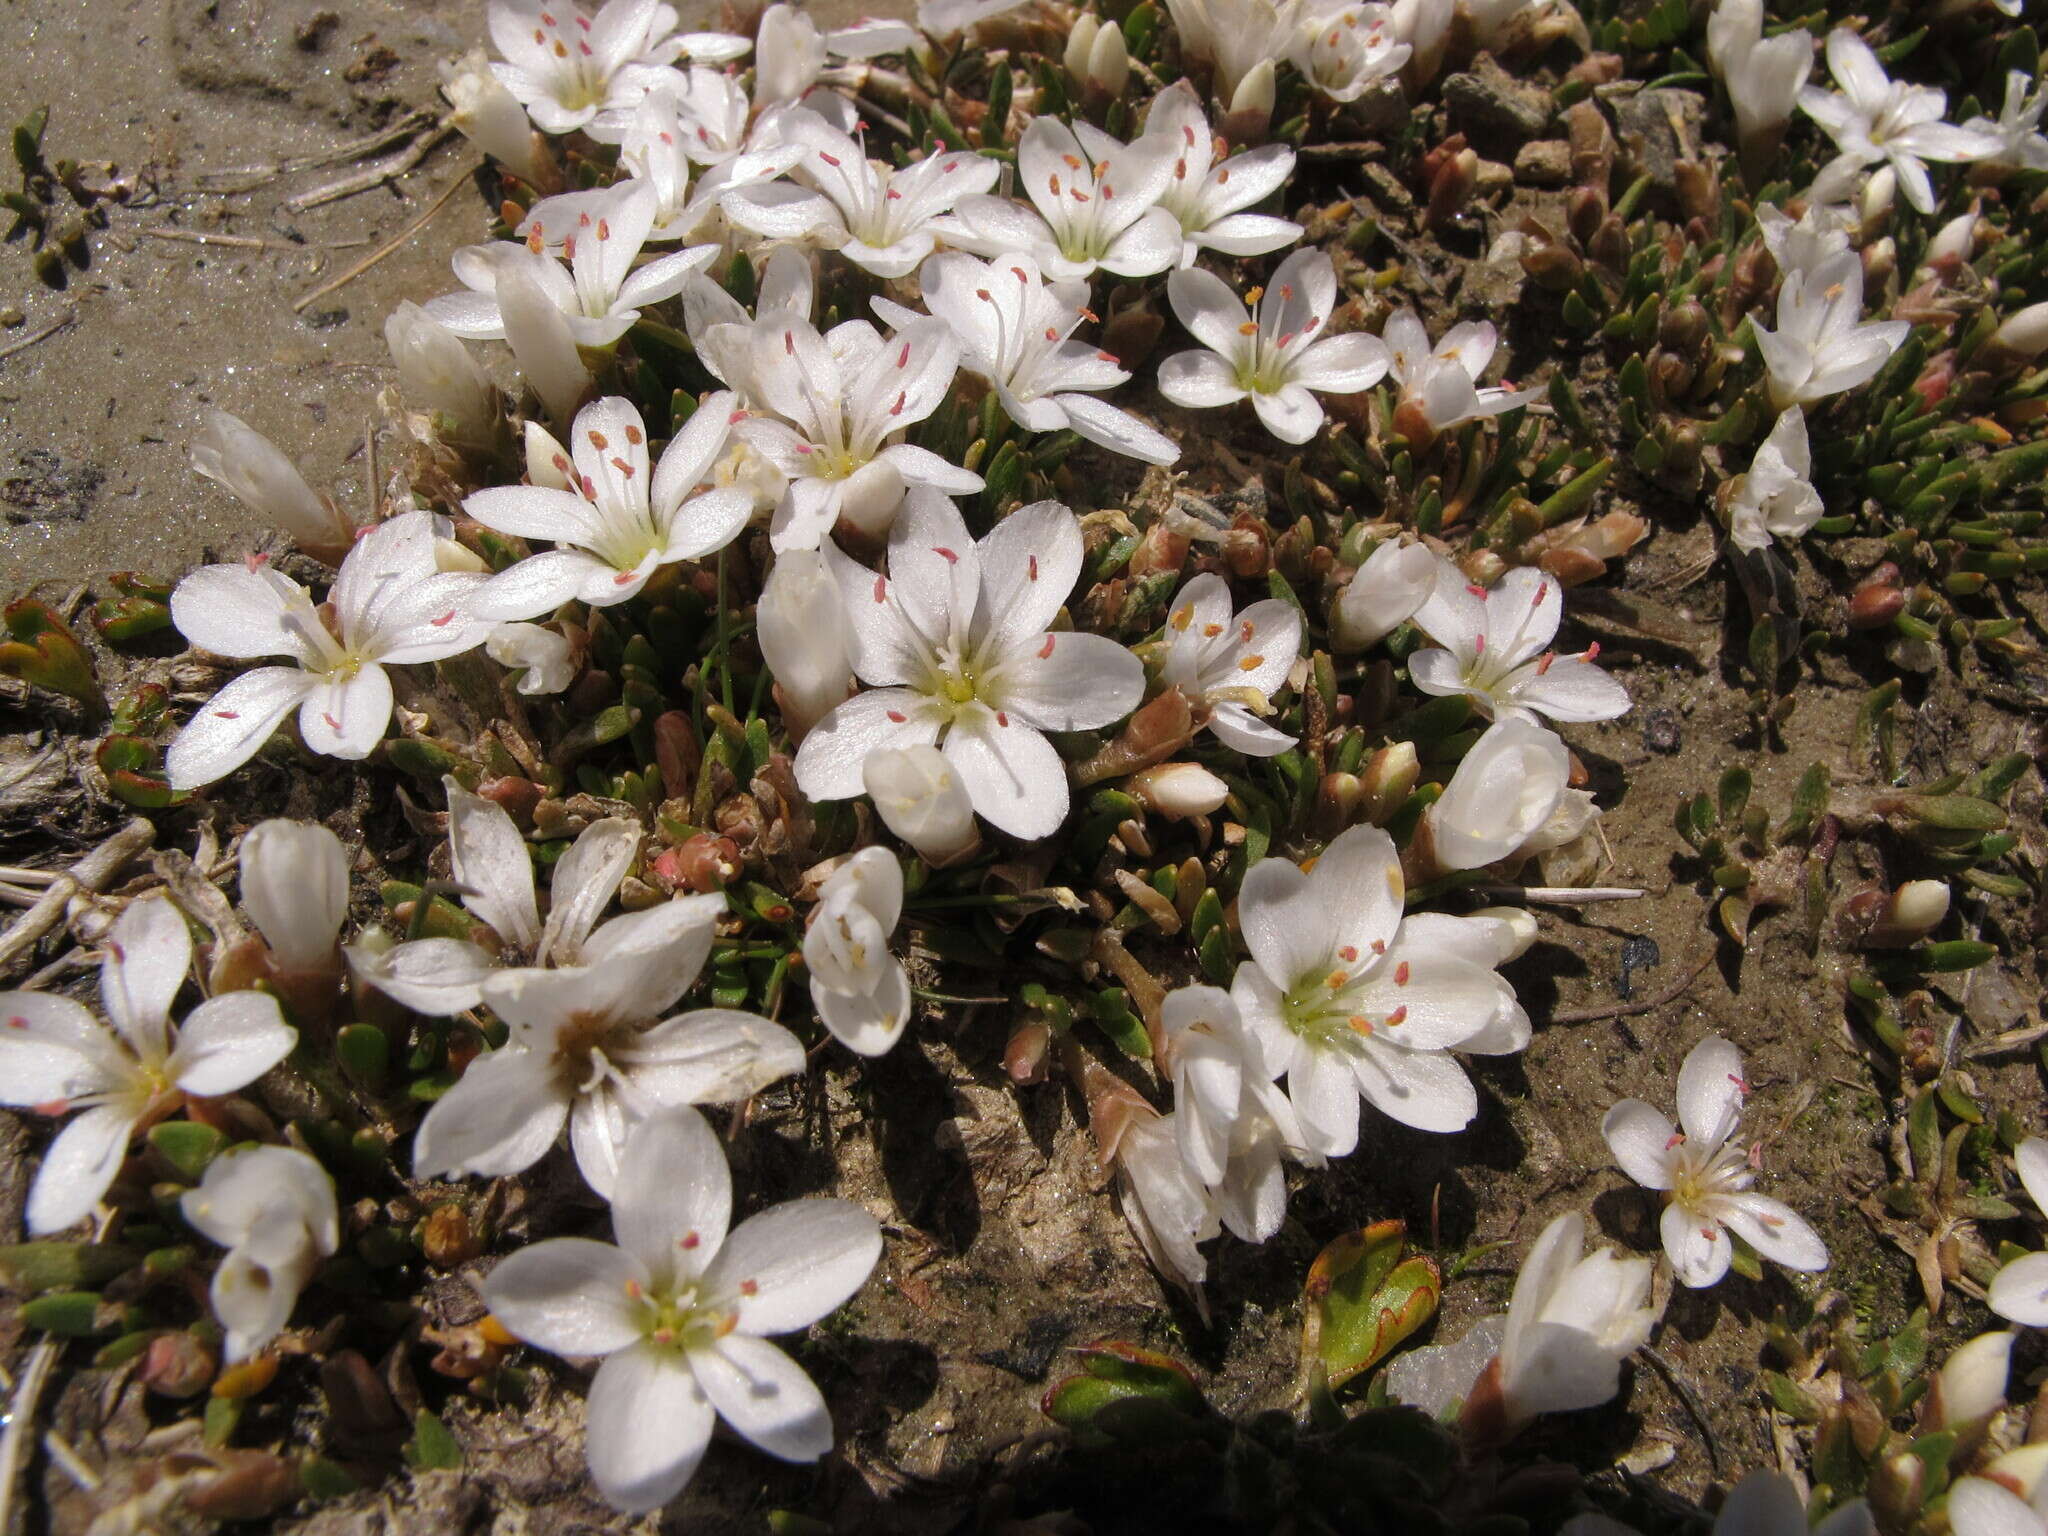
235	178
300	304
15	896
239	242
370	177
44	334
21	874
1626	1010
1559	895
94	872
21	1413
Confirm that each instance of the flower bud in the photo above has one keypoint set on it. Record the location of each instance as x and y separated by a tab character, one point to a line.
1880	260
1109	63
1451	187
1389	779
1080	38
448	1238
1971	1385
1521	928
438	377
1251	104
1906	916
871	496
1338	798
1161	551
1875	201
1879	600
1502	794
789	55
921	799
546	657
1393	583
251	468
492	119
1024	1057
295	885
1952	244
541	342
2020	338
1179	791
801	624
177	1365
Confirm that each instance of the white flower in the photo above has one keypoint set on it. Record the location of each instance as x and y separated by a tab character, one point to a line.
1233	664
391	605
1274	356
622	523
574	70
881	219
295	885
679	1308
1763	78
923	801
599	293
1505	790
1823	345
56	1057
791	54
1440	387
839	398
1232	1125
2021	144
1776	498
1236	36
585	1048
860	990
1394	582
1573	1318
1208	193
1342	48
1346	997
1016	331
488	858
956	647
493	119
801	625
543	657
249	466
1706	1177
1165	1205
1878	119
2019	1292
1495	650
273	1209
1096	201
1820	232
1980	1506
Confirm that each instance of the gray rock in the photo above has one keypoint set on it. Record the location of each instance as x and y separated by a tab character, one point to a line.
1649	126
1494	109
1544	163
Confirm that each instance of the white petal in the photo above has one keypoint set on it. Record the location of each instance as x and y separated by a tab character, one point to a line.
1423	1089
1324	1092
346	718
1776	1231
673	1198
1710	1090
766	1396
2032	1162
649	1422
1699	1250
1979	1507
501	1117
52	1049
1073	682
711	1056
803	1260
1640	1139
585	880
294	878
229	1041
79	1166
866	1023
148	954
1012	775
487	854
568	1295
1199	380
2019	1292
830	760
430	976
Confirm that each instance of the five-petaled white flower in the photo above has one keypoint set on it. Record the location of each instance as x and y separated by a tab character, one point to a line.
860	990
391	604
1346	997
678	1310
488	858
1879	119
572	70
1496	650
273	1209
586	1048
1440	386
1823	345
599	293
615	518
56	1057
1234	664
1208	193
1704	1175
839	397
1341	47
1096	201
1275	355
956	647
1016	330
1763	76
879	218
1776	497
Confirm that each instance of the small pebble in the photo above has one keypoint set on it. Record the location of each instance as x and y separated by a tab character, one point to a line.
1661	731
11	317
